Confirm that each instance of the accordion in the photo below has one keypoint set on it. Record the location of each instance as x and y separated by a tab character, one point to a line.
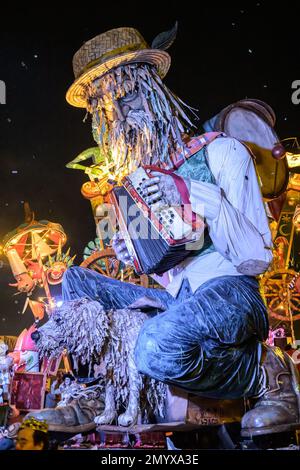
157	237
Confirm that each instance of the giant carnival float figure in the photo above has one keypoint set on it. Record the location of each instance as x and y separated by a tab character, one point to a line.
209	323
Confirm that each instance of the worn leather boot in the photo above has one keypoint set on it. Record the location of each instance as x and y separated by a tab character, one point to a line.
76	417
277	407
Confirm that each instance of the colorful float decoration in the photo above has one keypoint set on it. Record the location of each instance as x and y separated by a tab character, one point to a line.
280	286
57	265
34	252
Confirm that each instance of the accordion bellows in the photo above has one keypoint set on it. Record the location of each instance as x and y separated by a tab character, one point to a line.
153	242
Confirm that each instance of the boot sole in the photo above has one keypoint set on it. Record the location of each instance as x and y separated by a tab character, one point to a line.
296	380
72	429
270	430
280	427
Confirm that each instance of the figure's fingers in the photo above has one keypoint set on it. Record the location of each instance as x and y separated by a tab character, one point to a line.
150	182
157	174
122	255
154	197
117	243
114	243
126	258
121	246
116	237
165	179
13	285
150	190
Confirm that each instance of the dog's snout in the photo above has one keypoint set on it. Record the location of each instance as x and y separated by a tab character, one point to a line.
35	336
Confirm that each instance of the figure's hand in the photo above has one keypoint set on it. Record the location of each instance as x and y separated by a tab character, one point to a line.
119	246
24	283
161	188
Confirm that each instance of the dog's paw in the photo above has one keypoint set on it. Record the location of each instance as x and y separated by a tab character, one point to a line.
105	418
128	419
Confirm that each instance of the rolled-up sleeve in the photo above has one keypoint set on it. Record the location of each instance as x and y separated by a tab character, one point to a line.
233	207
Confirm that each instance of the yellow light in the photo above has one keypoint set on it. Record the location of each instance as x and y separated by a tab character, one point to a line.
293	159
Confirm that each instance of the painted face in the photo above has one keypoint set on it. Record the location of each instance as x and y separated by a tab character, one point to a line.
25	440
119	108
56	272
67	381
136	119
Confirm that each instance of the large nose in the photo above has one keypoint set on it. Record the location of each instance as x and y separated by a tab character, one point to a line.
35	336
121	111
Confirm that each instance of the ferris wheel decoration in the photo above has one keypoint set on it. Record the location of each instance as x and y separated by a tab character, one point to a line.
36	239
280	294
34	253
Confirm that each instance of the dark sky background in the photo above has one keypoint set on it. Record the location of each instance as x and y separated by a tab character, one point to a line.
221	55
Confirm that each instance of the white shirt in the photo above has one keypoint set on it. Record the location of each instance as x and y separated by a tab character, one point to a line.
235	214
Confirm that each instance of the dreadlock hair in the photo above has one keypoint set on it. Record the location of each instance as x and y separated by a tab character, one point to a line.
150	136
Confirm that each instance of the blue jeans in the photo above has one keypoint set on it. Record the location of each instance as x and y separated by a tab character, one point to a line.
208	343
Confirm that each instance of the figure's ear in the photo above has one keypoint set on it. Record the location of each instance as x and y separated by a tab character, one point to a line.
165	39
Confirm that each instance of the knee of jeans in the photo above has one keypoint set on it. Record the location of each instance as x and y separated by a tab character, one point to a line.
145	348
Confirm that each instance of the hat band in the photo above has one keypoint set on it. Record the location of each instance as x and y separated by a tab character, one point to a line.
114	53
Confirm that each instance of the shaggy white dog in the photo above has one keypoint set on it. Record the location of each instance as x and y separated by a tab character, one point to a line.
87	331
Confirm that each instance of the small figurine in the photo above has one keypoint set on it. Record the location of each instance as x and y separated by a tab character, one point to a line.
68	390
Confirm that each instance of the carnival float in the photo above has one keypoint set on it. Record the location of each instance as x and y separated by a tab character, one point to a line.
109	403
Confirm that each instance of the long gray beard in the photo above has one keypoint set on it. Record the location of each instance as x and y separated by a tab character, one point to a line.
150	136
136	140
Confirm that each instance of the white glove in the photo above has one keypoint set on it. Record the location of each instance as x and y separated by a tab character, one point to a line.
119	247
161	188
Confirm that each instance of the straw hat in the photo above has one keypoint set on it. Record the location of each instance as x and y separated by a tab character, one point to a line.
113	48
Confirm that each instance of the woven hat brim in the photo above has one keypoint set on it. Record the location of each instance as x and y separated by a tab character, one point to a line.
76	95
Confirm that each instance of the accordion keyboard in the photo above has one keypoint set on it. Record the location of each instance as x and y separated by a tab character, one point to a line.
168	216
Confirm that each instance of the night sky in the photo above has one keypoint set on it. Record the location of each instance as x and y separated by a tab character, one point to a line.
221	55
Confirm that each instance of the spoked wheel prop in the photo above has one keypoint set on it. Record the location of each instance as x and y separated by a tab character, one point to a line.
281	296
276	441
105	262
